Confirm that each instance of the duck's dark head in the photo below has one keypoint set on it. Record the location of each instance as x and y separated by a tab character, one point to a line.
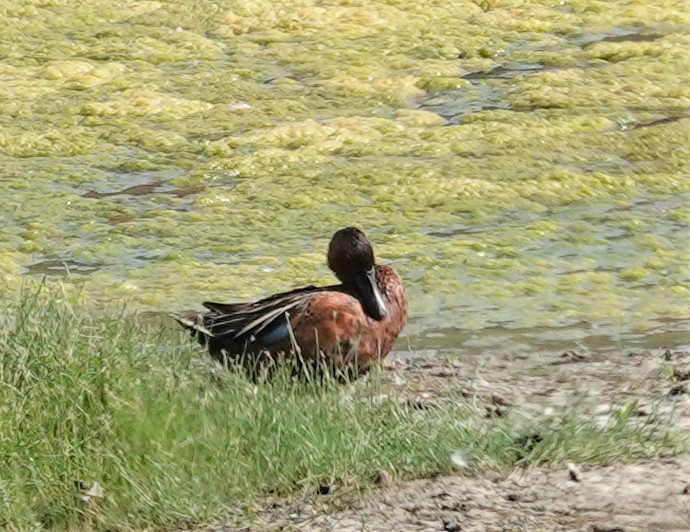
351	258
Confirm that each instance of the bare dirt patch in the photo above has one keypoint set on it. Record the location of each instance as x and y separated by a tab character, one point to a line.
647	496
650	495
653	381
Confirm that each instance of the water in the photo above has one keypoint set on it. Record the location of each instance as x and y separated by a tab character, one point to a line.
526	170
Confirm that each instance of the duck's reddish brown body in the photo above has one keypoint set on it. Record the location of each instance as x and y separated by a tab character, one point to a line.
350	324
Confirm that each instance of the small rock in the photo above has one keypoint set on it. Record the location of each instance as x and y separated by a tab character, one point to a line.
572	357
380	399
91	491
459	460
239	106
383	478
423	402
681	374
643	411
348	480
494	411
480	384
397	380
306	510
451	526
572	354
499	399
574	472
451	506
679	390
602	410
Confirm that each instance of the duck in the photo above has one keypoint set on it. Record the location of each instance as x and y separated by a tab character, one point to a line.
349	325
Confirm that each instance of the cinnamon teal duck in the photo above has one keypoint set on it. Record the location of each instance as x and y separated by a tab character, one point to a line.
349	324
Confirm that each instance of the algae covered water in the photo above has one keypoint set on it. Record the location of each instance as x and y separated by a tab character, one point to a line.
525	165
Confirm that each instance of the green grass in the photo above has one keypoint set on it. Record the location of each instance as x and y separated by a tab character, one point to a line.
173	439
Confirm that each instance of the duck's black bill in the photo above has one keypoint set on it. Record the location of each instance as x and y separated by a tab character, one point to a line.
372	300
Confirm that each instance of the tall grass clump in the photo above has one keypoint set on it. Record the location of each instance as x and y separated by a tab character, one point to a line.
171	438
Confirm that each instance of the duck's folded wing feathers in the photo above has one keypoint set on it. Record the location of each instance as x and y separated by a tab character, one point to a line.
250	323
261	323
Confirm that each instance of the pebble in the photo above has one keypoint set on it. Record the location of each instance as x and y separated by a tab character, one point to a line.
239	106
91	491
459	460
383	478
679	389
499	399
397	380
494	411
574	472
643	411
602	409
451	526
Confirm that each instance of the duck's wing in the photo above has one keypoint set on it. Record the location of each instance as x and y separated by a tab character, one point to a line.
252	321
256	325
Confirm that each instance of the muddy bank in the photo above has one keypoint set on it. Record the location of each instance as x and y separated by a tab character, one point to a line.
530	385
648	496
607	496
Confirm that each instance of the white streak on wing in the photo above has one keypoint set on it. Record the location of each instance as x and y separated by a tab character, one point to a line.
196	326
265	319
221	320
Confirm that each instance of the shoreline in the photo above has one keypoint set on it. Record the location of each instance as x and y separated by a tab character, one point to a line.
638	494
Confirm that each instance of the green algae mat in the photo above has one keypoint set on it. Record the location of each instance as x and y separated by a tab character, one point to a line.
524	164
